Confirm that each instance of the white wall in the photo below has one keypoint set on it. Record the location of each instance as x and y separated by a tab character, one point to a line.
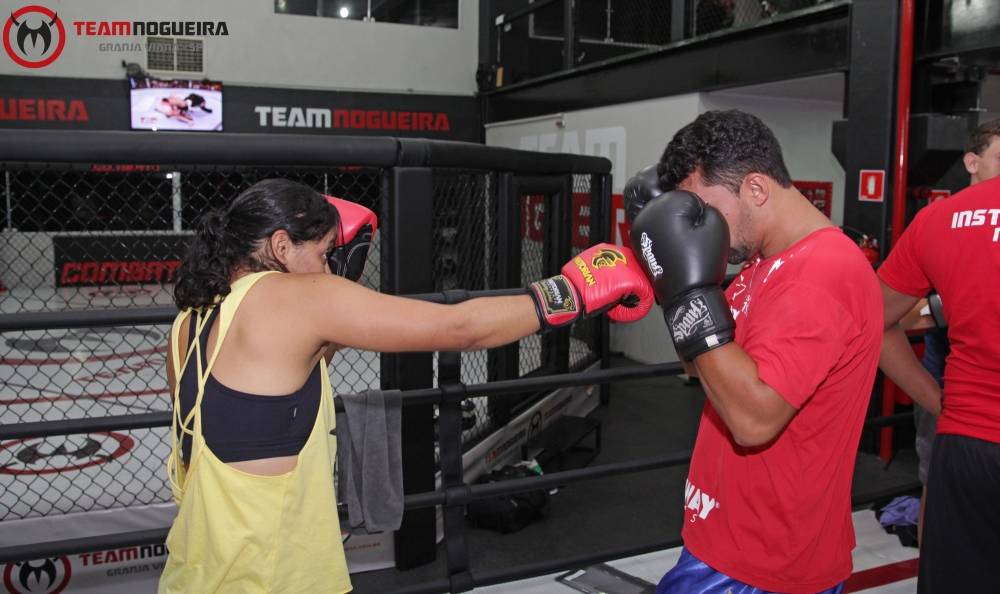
268	49
633	135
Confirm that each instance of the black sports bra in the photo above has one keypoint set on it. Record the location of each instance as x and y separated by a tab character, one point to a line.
239	426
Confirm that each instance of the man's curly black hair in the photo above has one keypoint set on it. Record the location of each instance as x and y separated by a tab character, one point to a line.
725	146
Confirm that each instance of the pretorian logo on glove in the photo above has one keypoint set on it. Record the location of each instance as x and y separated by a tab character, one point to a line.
607	258
647	252
604	258
691	318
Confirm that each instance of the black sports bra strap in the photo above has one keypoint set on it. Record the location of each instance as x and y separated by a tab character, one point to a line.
203	337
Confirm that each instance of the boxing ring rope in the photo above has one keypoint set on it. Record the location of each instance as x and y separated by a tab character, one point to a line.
452	497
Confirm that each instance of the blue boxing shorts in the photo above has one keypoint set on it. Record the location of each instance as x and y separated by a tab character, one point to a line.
692	576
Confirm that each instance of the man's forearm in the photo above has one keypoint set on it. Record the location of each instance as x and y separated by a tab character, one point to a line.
899	363
753	412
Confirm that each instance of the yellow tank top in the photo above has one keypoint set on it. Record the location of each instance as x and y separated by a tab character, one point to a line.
239	532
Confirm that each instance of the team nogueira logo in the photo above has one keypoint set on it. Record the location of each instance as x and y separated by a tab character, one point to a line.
49	576
62	454
34	36
607	257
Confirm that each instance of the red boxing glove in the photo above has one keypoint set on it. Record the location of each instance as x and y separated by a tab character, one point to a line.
357	227
604	277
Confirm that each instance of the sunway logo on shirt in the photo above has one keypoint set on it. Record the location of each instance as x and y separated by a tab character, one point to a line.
699	502
977	218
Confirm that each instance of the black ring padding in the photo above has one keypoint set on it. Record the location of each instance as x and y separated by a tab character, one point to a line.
461	582
222	148
547	382
862	499
95	318
281	150
441	297
162	419
84	425
57	548
151	316
895	419
156	536
554	479
407	398
419	152
453	392
457	495
453	296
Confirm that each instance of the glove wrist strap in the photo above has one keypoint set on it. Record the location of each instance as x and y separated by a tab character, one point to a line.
699	321
556	302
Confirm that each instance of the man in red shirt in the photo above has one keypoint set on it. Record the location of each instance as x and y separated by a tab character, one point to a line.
954	246
787	358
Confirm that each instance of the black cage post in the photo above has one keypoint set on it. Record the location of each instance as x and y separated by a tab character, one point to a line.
559	231
504	362
600	230
450	441
407	269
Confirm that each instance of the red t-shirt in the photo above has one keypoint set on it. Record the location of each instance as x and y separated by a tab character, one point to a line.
954	246
778	516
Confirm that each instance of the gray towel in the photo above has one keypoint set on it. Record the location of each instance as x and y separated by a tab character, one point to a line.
369	461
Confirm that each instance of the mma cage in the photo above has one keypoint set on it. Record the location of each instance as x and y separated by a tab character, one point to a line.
96	222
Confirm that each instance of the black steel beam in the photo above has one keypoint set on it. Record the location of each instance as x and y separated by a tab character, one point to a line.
811	42
966	29
569	34
870	110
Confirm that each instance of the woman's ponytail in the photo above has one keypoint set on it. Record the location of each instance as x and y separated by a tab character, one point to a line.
234	237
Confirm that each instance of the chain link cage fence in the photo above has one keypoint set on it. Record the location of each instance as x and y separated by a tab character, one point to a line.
466	249
77	238
85	239
531	45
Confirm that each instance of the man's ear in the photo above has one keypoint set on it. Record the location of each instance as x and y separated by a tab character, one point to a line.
281	245
971	162
758	188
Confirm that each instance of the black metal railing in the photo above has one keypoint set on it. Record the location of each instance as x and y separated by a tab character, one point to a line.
454	493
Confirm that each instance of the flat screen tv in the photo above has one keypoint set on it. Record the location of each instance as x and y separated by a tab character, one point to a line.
175	104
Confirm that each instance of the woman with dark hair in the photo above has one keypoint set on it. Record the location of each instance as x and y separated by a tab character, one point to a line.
253	450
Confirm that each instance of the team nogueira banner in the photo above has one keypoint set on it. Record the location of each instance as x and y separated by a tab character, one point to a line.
103	104
115	260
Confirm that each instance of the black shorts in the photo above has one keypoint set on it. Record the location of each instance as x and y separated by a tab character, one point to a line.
960	551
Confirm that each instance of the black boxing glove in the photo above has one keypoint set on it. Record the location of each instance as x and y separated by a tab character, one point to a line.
640	189
935	309
357	226
683	244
